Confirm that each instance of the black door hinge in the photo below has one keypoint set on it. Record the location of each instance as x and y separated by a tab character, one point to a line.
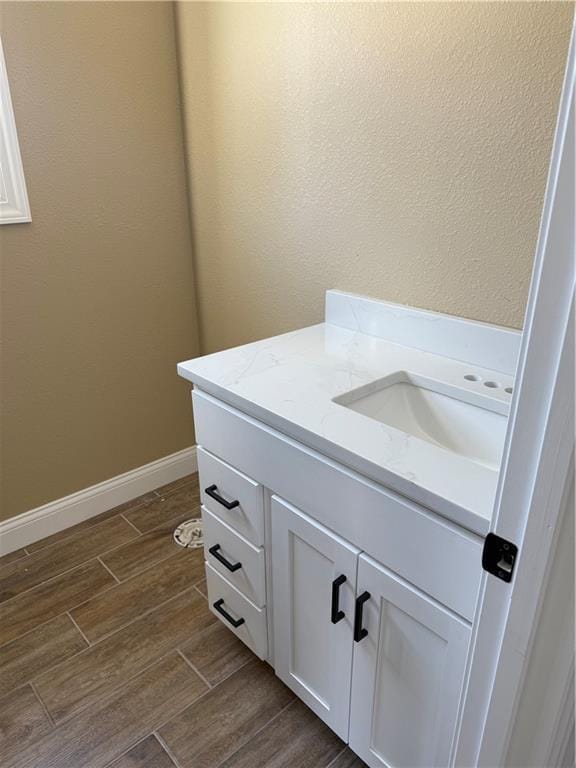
499	557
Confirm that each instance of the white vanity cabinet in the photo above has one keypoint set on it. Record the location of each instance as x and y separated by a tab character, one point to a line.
360	600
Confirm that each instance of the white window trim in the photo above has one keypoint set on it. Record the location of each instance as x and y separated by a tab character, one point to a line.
14	205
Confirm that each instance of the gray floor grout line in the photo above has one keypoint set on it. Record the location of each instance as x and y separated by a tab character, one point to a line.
199	592
234	672
156	527
44	707
197	699
119	514
105	637
255	734
19	559
165	496
103	564
132	746
66	539
79	630
56	615
156	563
93	556
10	752
166	749
333	761
66	612
102	700
109	694
144	613
194	669
30	681
184	708
94	597
138	531
105	512
47	581
178	487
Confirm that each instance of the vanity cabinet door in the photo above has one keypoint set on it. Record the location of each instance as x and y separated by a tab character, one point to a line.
314	583
408	673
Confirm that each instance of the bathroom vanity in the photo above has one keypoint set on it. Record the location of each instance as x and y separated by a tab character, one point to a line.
348	472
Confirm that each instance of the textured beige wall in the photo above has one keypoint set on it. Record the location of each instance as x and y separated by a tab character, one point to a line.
394	149
97	292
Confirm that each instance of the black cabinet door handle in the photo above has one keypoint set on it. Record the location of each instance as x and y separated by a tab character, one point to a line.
359	632
336	614
215	552
235	622
212	491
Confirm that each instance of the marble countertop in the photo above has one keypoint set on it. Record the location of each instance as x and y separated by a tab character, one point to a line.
289	383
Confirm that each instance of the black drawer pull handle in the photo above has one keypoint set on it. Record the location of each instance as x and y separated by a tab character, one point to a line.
336	614
359	632
212	491
235	622
215	552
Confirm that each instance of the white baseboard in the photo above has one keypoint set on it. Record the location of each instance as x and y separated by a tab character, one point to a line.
51	518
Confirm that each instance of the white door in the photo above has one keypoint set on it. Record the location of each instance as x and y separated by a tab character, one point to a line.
314	584
409	660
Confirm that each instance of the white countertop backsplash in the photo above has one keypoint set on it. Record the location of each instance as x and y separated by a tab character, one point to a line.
289	381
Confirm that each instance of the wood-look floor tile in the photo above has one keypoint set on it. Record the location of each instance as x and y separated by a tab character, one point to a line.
210	730
137	501
18	554
22	575
141	553
38	605
22	721
216	653
148	754
95	672
185	501
106	730
203	588
295	737
128	600
347	759
73	529
166	490
37	651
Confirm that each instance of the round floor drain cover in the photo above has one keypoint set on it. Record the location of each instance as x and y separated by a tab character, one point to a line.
190	533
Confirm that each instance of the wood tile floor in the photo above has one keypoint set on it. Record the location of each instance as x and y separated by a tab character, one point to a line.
109	656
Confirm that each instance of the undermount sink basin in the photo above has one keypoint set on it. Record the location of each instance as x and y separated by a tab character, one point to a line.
454	418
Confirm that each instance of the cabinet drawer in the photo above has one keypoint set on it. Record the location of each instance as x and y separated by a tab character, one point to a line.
224	482
232	607
225	550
